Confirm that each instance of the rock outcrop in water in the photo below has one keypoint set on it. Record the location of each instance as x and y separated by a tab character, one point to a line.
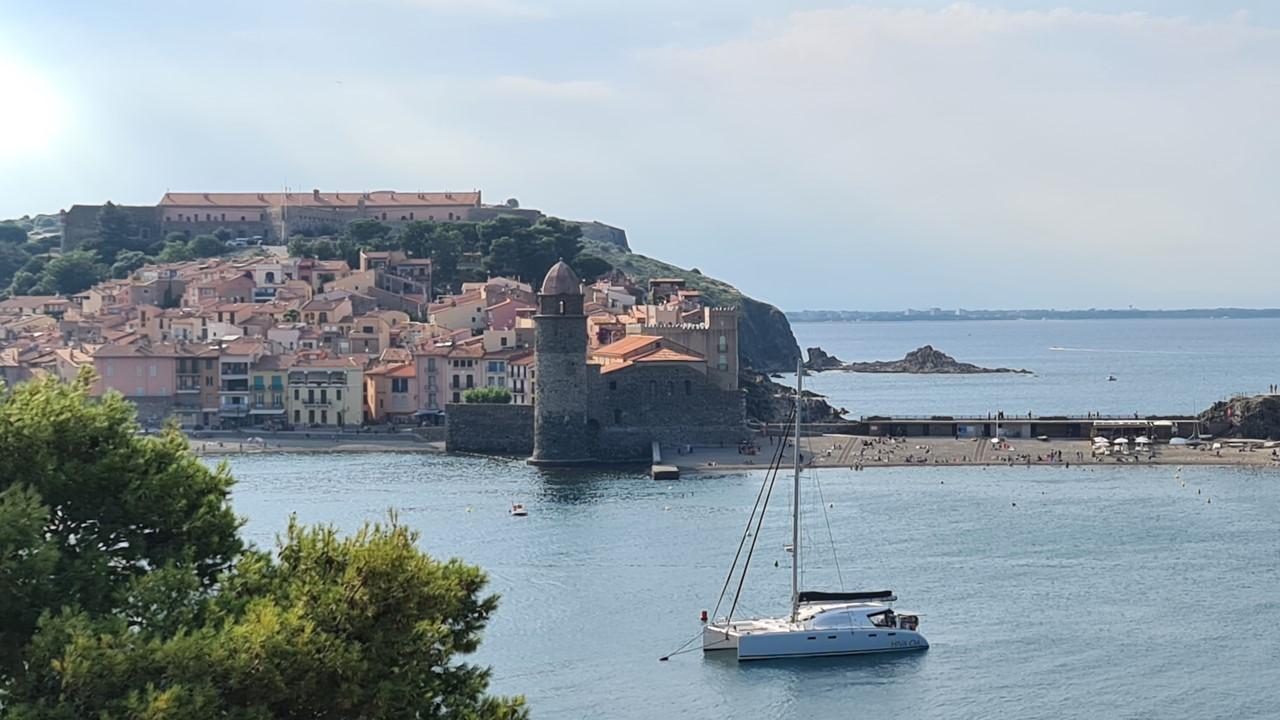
819	360
771	402
1255	417
925	360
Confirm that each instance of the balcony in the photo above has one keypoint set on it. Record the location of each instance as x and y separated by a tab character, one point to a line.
188	384
233	410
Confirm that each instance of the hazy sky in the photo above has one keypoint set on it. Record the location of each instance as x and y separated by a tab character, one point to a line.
818	155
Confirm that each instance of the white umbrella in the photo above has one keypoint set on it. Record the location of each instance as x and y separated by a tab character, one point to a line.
1143	440
1120	441
1101	439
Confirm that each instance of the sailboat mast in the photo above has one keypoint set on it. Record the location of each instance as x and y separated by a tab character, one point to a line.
795	500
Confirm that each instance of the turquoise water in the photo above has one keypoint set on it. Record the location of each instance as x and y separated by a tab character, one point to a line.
1103	593
1161	366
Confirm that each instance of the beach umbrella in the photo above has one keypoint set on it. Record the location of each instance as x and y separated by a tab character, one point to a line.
1143	440
1101	439
1120	441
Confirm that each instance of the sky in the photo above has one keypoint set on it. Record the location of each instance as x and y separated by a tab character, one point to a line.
819	155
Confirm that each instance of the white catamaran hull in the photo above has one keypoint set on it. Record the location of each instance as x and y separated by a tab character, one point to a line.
818	643
756	641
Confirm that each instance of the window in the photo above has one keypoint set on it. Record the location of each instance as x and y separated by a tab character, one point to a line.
457	397
296	394
504	341
455	381
324	395
324	417
208	381
723	344
311	395
431	400
399	385
723	363
339	394
297	416
471	381
311	416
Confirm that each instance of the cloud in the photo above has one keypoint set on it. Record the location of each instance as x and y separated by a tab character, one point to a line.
1084	147
499	9
577	90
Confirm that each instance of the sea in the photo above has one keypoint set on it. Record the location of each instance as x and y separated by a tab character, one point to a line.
1045	592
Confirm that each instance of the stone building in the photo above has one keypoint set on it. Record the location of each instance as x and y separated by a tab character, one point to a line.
603	411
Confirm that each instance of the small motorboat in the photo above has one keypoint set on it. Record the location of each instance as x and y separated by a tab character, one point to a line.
1111	378
517	510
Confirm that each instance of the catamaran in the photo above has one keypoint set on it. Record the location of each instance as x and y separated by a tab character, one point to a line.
820	623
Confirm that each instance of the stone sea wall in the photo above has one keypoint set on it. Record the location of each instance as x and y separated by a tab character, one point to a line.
489	429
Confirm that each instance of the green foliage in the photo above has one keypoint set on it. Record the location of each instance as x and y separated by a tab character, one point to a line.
125	593
175	252
116	233
11	234
203	246
72	272
224	235
175	237
488	395
367	232
126	262
23	281
590	267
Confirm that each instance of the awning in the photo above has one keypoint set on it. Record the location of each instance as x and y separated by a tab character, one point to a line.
813	596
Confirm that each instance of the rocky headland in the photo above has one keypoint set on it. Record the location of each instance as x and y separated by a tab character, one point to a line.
925	360
1256	418
771	402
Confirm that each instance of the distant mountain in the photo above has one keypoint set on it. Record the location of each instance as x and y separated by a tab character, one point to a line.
939	315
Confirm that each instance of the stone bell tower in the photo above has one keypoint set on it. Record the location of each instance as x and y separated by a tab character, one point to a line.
561	435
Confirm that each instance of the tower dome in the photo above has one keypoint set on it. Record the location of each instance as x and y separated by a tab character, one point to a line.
561	280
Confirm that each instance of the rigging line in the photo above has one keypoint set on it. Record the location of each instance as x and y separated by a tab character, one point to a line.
746	564
773	468
682	649
830	537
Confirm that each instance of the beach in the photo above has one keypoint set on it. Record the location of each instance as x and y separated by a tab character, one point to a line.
861	452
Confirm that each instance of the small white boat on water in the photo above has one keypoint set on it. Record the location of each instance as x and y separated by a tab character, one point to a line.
517	510
820	624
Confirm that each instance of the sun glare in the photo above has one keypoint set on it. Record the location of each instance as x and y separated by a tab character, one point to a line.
34	111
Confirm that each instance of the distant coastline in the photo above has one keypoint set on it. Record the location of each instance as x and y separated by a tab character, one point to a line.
958	315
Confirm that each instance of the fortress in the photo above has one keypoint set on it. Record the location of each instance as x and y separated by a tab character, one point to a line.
611	406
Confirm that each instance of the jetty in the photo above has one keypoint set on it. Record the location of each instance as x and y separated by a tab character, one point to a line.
657	470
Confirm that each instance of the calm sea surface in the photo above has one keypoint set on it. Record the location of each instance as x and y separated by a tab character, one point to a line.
1161	366
1102	593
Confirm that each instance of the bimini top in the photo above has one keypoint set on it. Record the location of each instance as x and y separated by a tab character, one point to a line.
814	596
561	280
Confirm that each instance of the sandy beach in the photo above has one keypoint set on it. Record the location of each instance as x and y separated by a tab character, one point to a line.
857	452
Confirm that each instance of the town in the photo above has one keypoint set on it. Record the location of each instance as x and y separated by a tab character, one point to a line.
264	340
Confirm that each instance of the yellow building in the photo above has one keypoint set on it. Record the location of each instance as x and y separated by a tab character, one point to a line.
268	378
325	391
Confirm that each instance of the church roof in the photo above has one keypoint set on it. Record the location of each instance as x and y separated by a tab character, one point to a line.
561	280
